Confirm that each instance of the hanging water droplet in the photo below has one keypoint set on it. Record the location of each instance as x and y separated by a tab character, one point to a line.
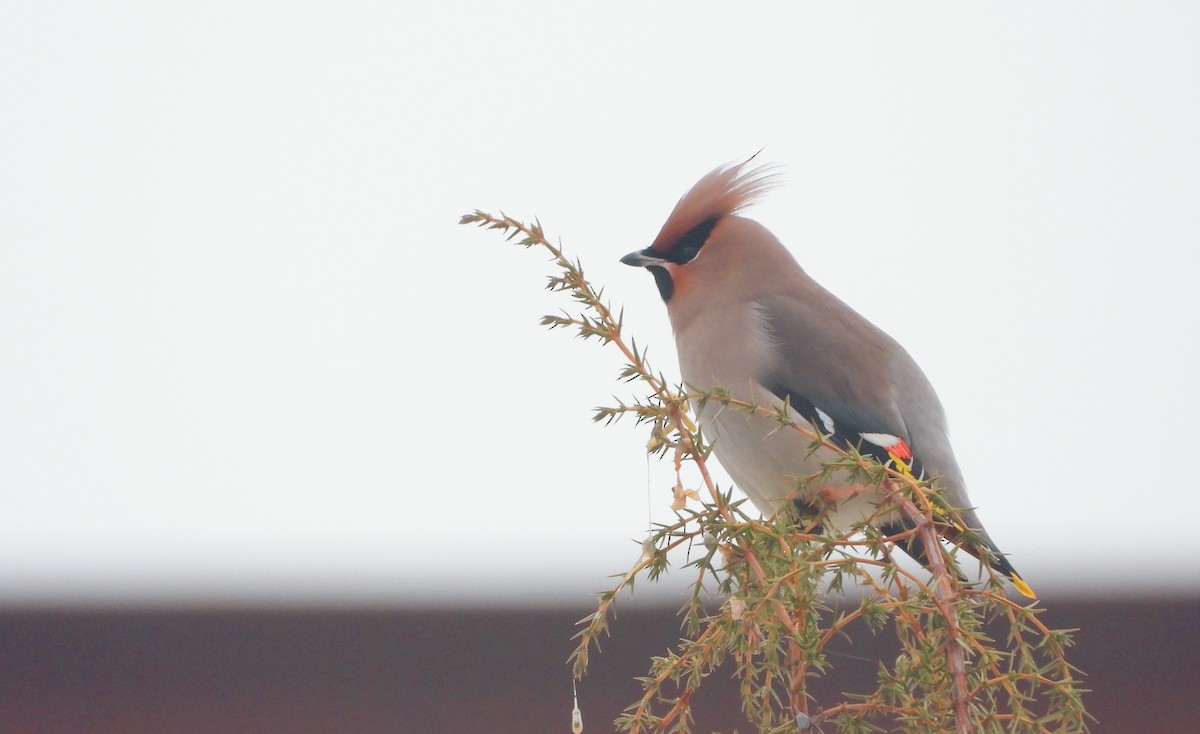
576	715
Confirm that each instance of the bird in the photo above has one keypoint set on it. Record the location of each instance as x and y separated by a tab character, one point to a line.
748	320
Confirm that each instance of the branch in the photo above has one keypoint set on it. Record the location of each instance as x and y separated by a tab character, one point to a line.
773	627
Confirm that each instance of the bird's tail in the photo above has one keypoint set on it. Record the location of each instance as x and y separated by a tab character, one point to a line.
969	543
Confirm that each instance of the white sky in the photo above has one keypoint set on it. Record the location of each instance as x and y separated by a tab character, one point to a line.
247	354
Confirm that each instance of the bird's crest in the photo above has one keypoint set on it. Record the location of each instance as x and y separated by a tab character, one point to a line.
721	193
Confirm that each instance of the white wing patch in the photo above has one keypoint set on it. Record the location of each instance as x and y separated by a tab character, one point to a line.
882	440
826	421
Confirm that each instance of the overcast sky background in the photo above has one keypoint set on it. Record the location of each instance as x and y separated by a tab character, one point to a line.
247	355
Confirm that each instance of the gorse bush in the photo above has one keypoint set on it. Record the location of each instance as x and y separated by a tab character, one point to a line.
788	589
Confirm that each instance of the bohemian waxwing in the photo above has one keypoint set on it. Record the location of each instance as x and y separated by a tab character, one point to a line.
748	319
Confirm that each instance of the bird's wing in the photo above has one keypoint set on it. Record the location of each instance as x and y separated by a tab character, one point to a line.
857	385
834	368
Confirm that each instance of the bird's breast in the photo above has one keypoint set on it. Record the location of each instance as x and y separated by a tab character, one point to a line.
731	348
726	347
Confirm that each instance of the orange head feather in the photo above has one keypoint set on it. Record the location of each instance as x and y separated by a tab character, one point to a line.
722	193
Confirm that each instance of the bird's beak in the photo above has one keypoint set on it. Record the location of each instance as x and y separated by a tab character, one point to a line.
643	258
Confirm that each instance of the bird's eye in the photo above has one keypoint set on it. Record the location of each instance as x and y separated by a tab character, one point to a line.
689	253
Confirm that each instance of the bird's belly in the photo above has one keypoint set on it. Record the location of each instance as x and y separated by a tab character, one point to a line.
773	464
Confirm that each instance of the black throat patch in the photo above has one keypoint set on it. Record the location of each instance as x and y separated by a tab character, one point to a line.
662	279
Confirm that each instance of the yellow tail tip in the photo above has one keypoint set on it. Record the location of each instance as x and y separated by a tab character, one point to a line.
1020	585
